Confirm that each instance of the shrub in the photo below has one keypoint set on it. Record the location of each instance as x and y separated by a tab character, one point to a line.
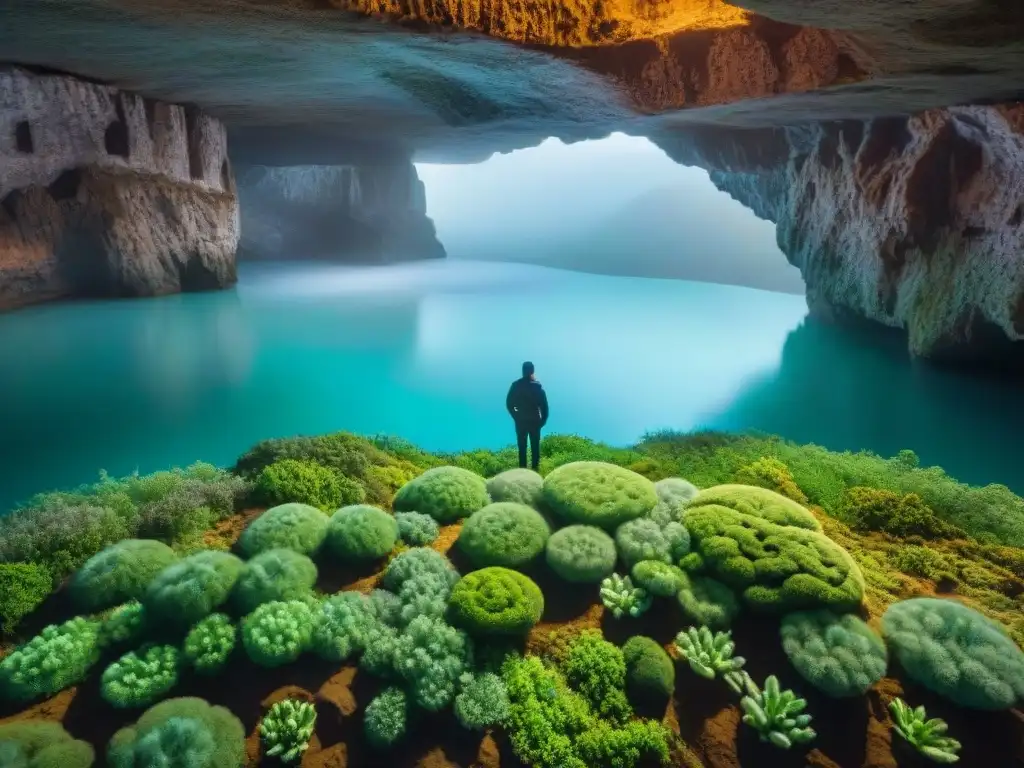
518	486
279	632
139	679
299	527
776	714
192	588
496	601
275	574
343	626
638	742
581	554
42	744
711	655
675	490
425	595
768	472
956	652
650	673
287	728
59	534
926	736
597	669
757	502
119	573
505	534
191	501
431	656
125	625
379	655
23	588
361	532
646	539
839	655
599	494
386	606
386	718
710	603
180	732
483	702
209	644
903	515
58	657
658	578
622	598
446	494
417	529
175	519
303	482
777	568
415	563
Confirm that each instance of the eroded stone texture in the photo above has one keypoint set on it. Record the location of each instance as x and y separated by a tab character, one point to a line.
916	223
373	213
104	193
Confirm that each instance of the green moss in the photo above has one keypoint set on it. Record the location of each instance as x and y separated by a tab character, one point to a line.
42	744
496	601
119	573
581	554
768	472
276	574
416	529
299	527
504	534
58	657
520	486
598	494
903	515
658	578
707	602
757	502
839	655
361	533
304	482
650	673
447	494
23	587
192	588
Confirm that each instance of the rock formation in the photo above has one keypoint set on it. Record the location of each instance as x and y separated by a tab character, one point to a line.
915	223
373	213
104	193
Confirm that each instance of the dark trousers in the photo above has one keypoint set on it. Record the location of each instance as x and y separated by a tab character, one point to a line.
531	431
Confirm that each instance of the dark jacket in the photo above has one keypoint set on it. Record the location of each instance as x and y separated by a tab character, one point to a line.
527	403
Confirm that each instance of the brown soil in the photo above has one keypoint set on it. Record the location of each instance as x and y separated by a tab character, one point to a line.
852	733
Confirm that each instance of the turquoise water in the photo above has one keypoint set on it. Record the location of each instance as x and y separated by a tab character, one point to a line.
427	351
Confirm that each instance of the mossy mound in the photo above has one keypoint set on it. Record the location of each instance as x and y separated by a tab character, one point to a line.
519	486
360	533
447	494
776	567
675	491
955	651
650	673
496	601
839	655
757	502
299	527
708	603
599	494
41	744
581	553
119	573
505	534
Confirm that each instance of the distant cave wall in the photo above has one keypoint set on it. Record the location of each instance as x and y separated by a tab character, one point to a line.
104	193
345	213
915	223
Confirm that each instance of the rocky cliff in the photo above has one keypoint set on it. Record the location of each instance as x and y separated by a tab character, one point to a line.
105	193
915	223
373	213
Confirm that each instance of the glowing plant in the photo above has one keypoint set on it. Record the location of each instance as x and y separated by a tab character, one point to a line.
446	494
287	728
504	534
209	644
140	678
710	655
839	655
926	736
581	554
496	601
278	633
386	717
775	714
599	494
622	598
58	657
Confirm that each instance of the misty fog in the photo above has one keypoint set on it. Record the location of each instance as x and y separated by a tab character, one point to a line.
616	206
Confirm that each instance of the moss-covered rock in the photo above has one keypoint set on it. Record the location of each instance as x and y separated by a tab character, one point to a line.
496	601
599	494
505	534
447	494
777	566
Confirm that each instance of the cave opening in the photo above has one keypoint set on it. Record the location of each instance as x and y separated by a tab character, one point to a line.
23	137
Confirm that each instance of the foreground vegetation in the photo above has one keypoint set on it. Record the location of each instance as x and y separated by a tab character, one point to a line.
458	584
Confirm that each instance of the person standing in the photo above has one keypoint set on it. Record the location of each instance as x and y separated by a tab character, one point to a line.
527	404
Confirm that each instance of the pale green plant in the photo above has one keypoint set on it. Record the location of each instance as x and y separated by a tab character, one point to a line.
926	736
623	598
776	714
287	728
710	655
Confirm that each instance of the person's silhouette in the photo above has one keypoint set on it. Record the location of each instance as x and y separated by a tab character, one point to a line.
528	406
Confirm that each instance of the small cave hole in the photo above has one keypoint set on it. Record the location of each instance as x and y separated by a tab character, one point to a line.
23	137
115	140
